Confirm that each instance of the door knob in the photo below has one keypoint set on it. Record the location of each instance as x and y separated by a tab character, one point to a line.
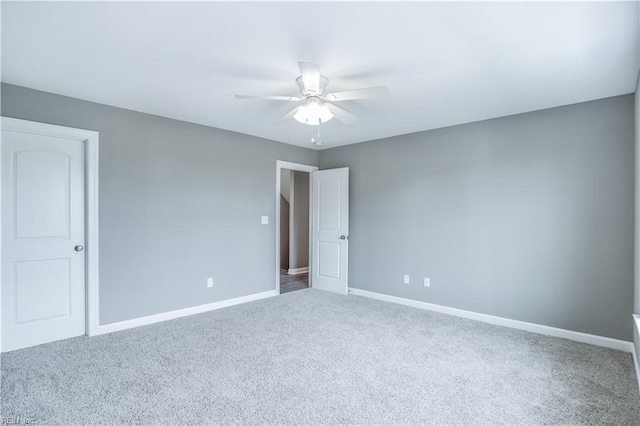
79	248
344	237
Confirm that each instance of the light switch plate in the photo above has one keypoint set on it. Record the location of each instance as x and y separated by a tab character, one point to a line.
265	220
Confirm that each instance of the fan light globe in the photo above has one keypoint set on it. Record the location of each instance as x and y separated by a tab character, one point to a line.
313	113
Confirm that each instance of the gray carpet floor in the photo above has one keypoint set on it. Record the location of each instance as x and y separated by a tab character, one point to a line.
311	357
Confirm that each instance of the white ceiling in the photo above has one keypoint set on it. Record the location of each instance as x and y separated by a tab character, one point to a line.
445	63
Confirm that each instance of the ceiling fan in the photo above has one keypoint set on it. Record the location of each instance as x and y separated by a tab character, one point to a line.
316	106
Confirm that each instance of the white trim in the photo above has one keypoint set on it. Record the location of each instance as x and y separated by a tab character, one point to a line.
298	271
152	319
591	339
302	168
635	365
93	245
636	336
92	147
292	214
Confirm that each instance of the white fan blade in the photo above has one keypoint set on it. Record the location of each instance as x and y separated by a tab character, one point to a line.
366	93
310	74
341	115
288	117
269	98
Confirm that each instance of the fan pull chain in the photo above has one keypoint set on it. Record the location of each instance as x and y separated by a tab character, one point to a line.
313	140
316	140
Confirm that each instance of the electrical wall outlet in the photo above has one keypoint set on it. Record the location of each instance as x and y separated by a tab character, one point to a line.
427	282
209	282
406	279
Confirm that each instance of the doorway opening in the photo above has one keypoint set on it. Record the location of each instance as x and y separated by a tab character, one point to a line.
293	230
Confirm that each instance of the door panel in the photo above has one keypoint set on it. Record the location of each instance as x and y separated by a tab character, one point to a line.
43	277
329	192
330	227
329	260
35	192
42	290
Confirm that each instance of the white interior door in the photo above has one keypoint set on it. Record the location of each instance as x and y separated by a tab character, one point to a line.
330	229
43	221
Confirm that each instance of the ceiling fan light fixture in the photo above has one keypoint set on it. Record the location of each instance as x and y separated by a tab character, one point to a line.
313	113
313	88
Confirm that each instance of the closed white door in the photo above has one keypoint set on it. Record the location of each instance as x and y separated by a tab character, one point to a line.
330	229
43	221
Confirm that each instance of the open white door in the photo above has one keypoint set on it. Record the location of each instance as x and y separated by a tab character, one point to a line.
330	229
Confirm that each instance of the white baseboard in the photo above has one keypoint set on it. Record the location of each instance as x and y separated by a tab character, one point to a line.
636	335
152	319
577	336
635	364
298	271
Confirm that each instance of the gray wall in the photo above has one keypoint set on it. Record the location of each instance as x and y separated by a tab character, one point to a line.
299	246
529	217
179	203
285	196
285	183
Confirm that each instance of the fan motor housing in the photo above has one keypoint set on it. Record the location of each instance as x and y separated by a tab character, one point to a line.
324	82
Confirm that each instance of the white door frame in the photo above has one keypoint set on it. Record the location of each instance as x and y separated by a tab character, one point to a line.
91	143
300	168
